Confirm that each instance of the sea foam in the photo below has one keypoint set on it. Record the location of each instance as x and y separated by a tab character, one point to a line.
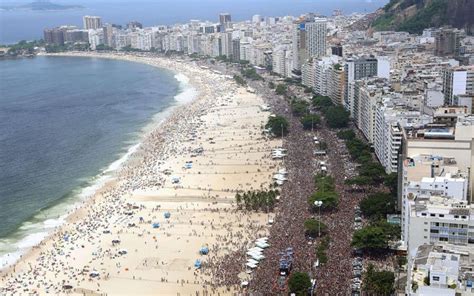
31	234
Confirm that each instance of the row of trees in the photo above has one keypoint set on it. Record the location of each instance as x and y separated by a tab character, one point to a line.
257	200
239	80
321	250
326	193
377	206
336	116
301	109
370	172
375	237
250	73
24	47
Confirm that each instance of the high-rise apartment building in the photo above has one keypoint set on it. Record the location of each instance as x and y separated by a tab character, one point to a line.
457	81
92	22
224	18
226	44
236	49
134	25
54	36
355	69
447	41
309	40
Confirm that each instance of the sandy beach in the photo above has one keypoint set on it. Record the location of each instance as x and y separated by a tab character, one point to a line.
142	232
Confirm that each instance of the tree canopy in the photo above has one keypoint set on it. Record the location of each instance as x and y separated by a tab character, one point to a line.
325	193
299	283
280	89
370	237
257	200
337	117
330	199
347	134
322	102
310	120
251	74
240	80
391	181
376	206
312	227
378	282
277	125
299	107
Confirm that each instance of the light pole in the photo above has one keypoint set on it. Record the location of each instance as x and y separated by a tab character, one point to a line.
319	203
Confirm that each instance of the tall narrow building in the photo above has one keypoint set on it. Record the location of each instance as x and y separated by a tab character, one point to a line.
309	41
224	18
92	22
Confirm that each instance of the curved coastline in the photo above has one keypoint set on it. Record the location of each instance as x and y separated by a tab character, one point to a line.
69	209
225	121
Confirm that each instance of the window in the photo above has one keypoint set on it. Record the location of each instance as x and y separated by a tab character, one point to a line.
441	215
426	223
456	216
436	278
423	214
433	215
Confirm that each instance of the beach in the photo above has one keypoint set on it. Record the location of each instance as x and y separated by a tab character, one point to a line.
142	231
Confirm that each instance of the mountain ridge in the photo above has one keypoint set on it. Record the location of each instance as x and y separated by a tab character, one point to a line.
414	16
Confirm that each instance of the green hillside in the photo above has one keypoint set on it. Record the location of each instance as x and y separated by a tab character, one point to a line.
415	15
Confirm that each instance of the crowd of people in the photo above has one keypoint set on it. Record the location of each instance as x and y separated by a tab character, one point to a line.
334	277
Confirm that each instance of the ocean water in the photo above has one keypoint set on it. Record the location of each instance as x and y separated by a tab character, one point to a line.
29	25
65	125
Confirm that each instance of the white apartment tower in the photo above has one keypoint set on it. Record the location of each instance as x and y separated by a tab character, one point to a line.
92	22
309	41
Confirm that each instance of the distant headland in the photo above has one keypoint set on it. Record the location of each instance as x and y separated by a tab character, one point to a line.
42	5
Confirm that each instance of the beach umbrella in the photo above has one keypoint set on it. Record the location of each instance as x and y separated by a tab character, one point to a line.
156	225
94	274
197	264
204	251
167	215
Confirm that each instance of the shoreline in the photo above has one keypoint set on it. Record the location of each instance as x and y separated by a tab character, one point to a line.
96	183
148	192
